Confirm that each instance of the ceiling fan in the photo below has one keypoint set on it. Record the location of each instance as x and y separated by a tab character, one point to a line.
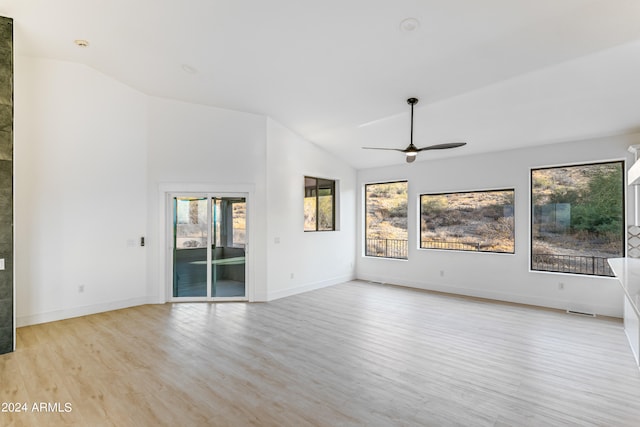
412	151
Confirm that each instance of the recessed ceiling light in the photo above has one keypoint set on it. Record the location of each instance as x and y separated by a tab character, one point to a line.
409	25
189	69
81	43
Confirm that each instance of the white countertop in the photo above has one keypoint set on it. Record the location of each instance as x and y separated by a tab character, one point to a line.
627	270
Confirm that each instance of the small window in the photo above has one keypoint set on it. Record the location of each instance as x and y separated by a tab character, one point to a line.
386	220
319	204
577	218
479	221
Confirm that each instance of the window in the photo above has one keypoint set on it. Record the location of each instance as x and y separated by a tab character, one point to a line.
319	204
229	216
577	218
386	220
480	221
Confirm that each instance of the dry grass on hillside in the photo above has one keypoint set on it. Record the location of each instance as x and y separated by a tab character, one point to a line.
482	221
387	211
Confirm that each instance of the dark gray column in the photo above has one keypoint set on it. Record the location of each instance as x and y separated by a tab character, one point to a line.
6	184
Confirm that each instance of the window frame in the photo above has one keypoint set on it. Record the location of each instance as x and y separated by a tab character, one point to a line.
333	187
623	230
489	190
366	222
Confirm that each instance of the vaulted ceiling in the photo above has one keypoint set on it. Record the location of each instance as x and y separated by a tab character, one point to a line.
497	74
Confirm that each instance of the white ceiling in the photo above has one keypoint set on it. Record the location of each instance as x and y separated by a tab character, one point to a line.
498	74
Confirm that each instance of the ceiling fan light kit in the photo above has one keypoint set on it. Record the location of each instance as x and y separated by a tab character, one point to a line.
411	152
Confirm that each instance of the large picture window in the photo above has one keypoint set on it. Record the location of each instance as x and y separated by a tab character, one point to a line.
319	204
577	218
480	221
386	220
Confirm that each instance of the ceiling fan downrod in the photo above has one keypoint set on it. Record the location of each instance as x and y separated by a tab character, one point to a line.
411	151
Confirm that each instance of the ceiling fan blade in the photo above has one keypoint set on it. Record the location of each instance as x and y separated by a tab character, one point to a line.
378	148
443	146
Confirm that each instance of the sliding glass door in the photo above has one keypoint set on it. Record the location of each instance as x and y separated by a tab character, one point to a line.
228	246
209	247
190	246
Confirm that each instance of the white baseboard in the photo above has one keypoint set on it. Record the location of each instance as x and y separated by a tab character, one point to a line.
602	310
52	316
307	287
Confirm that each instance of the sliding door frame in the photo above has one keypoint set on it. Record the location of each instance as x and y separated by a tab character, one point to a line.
165	241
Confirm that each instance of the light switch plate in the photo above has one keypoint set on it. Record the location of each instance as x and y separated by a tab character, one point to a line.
1	263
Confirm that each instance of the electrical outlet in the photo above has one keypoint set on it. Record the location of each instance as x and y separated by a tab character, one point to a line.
292	275
80	289
561	286
441	273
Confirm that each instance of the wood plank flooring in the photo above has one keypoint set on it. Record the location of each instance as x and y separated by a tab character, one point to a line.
355	354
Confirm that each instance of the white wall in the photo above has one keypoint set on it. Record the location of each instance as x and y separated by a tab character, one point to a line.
93	159
80	191
314	259
497	276
200	148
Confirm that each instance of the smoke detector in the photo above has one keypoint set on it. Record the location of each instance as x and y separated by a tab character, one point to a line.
409	25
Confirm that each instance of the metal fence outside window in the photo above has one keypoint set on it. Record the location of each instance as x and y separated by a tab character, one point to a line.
590	265
457	246
387	248
577	264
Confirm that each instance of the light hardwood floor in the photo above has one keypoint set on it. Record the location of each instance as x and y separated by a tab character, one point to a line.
352	354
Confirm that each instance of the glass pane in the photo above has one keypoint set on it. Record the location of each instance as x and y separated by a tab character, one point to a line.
480	221
577	218
325	204
215	223
310	208
386	220
325	213
190	247
239	224
228	253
